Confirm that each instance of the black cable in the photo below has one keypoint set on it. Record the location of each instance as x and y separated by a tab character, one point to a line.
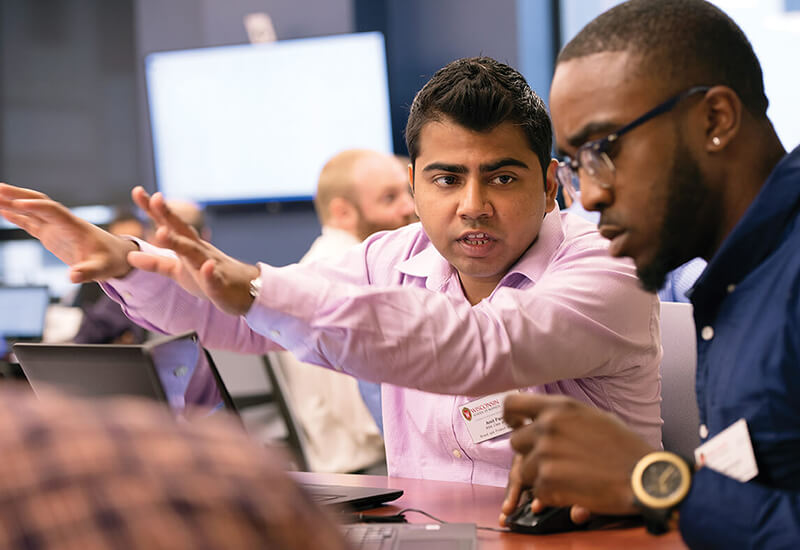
423	512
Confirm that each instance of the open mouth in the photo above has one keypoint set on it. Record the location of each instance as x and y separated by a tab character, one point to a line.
476	239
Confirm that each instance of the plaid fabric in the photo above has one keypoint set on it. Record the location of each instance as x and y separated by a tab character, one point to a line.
123	474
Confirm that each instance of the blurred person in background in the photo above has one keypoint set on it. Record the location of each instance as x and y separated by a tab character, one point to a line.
359	192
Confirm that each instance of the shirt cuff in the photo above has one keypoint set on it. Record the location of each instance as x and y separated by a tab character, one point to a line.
286	306
138	287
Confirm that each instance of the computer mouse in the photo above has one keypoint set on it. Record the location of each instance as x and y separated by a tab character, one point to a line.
549	520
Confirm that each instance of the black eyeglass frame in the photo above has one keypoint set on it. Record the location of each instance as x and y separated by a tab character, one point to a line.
567	170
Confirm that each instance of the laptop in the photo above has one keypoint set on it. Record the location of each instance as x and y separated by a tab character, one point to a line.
412	536
357	498
176	370
172	369
23	311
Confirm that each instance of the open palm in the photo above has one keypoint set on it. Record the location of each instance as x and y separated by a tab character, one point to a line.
91	253
201	268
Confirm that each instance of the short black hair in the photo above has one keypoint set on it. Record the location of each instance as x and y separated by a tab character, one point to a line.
683	43
480	93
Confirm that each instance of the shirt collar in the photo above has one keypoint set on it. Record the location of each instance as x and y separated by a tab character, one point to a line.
757	233
340	234
430	264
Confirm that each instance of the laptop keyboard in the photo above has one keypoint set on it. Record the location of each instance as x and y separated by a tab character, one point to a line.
369	537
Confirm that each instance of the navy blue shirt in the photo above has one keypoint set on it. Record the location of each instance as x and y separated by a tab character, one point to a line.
747	312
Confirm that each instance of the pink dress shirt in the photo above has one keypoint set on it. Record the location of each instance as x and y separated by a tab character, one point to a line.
567	318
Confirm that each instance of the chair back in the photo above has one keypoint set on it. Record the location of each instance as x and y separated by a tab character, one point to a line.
257	382
296	437
678	366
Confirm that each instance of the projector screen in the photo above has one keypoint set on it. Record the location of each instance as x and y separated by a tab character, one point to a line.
257	122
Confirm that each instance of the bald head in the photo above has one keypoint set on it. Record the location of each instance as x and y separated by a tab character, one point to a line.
338	179
363	191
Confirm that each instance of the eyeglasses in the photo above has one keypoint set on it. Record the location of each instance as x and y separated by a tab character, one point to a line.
593	157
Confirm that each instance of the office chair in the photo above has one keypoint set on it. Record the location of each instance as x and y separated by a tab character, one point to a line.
678	365
296	438
259	392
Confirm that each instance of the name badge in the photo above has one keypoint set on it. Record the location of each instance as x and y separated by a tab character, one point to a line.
484	417
730	453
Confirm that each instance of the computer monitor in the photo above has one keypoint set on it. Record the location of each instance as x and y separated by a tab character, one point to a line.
256	123
22	311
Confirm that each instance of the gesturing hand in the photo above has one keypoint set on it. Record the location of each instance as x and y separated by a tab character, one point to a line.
571	454
203	269
91	253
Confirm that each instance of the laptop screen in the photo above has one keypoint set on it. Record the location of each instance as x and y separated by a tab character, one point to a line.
173	369
188	376
22	310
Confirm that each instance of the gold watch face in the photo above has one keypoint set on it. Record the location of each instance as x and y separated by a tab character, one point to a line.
661	480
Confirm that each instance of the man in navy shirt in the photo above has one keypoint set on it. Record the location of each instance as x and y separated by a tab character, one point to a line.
660	112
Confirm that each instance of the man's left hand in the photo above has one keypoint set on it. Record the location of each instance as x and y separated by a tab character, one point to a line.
225	281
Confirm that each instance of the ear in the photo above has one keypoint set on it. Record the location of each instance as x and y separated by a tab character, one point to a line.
550	186
723	117
411	187
342	214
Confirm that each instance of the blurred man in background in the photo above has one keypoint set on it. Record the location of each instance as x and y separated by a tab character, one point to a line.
359	193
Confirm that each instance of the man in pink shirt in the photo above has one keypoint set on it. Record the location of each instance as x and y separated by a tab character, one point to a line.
493	291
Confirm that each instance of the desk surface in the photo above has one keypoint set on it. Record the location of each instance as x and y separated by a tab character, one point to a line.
479	504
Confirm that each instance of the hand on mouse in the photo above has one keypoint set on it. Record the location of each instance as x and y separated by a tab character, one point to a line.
578	514
571	454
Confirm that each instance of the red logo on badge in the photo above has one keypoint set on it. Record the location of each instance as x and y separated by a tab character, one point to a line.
467	413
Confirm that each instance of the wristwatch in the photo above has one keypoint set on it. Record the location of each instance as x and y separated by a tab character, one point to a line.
255	287
660	482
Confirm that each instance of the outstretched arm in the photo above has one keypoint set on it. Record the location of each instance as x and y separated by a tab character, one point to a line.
202	269
95	254
90	252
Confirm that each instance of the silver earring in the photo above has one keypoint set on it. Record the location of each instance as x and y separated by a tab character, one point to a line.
715	140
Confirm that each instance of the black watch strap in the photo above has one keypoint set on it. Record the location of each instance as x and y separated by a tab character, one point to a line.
657	522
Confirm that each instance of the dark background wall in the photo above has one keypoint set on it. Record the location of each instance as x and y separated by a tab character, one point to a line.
73	104
68	92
